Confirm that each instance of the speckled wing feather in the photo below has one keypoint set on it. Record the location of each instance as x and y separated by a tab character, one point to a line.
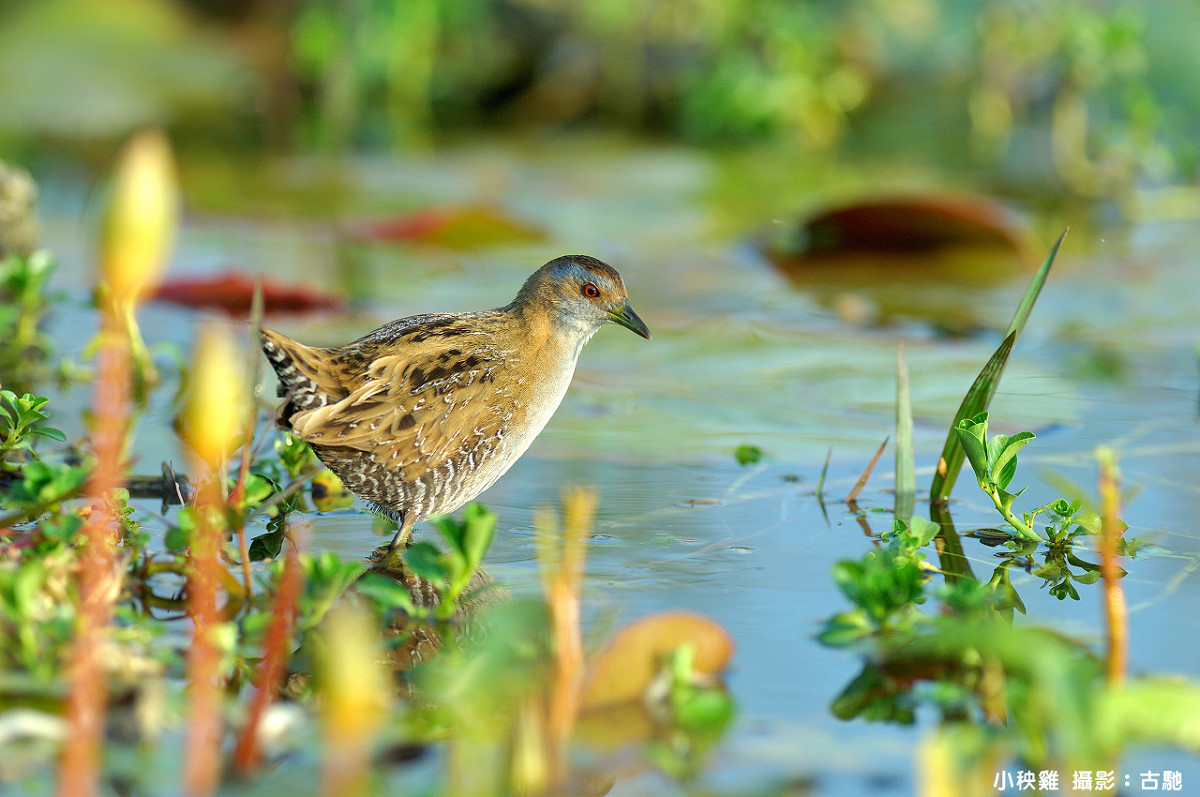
412	394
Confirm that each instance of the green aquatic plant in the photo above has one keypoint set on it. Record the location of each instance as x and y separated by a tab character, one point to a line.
748	454
26	299
451	570
994	461
20	425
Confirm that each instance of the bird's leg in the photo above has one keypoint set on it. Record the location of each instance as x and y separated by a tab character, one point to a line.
399	542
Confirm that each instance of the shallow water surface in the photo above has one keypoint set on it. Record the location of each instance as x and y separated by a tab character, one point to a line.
742	355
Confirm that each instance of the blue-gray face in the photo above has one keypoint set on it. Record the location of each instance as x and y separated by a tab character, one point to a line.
594	294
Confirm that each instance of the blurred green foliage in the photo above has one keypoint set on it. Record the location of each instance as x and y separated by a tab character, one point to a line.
1090	94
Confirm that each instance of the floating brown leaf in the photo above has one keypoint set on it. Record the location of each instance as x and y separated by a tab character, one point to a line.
917	223
623	671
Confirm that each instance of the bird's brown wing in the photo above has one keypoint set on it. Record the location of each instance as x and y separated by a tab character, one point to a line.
410	401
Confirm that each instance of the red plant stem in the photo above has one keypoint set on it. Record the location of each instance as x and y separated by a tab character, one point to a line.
202	753
1116	614
87	693
276	651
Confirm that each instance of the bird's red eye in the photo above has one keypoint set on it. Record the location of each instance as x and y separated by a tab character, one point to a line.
590	290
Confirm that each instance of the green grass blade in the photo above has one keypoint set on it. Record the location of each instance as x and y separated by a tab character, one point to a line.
976	400
824	471
979	396
906	475
821	485
1035	287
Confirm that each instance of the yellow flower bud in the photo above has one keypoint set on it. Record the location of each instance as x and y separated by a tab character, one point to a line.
140	220
214	407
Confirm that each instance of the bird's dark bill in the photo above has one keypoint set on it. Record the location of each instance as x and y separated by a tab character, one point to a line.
625	316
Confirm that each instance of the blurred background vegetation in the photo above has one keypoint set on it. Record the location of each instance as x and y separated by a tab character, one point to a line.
1092	97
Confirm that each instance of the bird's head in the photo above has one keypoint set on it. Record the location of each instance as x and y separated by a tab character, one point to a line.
582	293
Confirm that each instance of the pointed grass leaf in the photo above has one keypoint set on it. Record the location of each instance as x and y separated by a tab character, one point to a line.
980	394
1035	287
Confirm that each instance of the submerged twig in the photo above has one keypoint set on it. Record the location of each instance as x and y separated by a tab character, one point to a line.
866	474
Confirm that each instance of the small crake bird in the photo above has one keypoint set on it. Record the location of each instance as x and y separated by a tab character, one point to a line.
425	413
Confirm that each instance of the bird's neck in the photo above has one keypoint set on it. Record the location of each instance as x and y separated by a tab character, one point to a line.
553	338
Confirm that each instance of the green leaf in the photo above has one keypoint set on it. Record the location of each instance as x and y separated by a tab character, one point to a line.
425	560
1004	466
62	528
972	434
452	529
266	546
385	592
480	529
177	538
924	529
1049	571
845	628
994	445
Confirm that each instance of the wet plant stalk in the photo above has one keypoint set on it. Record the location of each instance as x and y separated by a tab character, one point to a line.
239	487
561	558
1023	529
87	695
1116	615
211	417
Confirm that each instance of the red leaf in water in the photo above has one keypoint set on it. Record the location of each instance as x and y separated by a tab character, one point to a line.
234	291
463	227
